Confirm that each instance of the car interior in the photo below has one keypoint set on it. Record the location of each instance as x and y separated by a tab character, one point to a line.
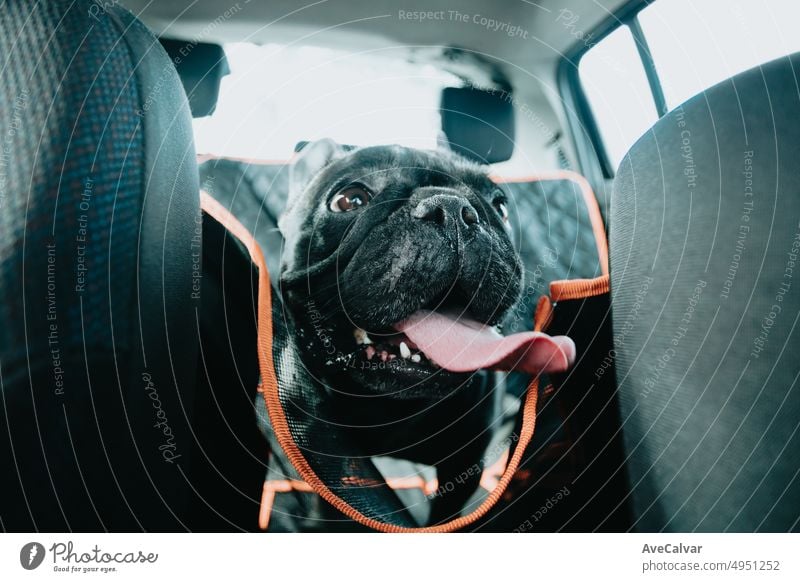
648	152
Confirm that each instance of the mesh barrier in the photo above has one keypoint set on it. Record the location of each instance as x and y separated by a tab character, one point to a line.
319	478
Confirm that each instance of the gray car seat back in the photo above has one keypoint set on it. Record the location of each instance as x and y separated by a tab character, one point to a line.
99	272
705	235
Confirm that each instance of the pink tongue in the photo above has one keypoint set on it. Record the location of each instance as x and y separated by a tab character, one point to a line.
463	345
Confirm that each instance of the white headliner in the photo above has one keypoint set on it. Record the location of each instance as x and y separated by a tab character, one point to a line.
376	24
527	57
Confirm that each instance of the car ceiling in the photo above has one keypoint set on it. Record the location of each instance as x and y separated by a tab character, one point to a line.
351	25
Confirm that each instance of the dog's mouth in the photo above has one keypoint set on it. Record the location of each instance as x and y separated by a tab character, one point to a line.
433	340
392	349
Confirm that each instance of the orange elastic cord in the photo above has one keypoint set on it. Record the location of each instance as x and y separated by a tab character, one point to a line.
280	424
265	509
489	479
578	288
268	496
543	314
595	216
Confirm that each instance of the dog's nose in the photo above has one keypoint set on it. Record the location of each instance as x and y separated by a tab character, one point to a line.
444	208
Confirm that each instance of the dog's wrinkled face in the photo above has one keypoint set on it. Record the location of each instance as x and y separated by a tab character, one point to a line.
375	235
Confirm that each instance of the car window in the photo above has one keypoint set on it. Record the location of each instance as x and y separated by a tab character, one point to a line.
655	59
616	87
695	45
279	95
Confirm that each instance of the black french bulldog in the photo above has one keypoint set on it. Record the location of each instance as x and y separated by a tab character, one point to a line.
381	235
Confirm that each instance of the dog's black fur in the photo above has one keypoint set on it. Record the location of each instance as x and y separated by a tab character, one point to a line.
432	236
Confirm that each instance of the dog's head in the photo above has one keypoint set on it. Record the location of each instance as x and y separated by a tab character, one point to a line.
378	236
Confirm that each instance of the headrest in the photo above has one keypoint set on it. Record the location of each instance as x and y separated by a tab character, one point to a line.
706	298
478	124
201	67
98	252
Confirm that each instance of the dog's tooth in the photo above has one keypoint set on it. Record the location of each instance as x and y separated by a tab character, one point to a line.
362	338
404	350
416	358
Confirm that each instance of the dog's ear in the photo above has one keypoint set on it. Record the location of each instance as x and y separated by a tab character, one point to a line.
308	163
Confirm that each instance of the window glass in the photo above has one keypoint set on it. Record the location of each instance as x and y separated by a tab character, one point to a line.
278	95
618	93
698	44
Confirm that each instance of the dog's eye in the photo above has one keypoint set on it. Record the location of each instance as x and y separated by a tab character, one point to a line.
350	198
500	205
